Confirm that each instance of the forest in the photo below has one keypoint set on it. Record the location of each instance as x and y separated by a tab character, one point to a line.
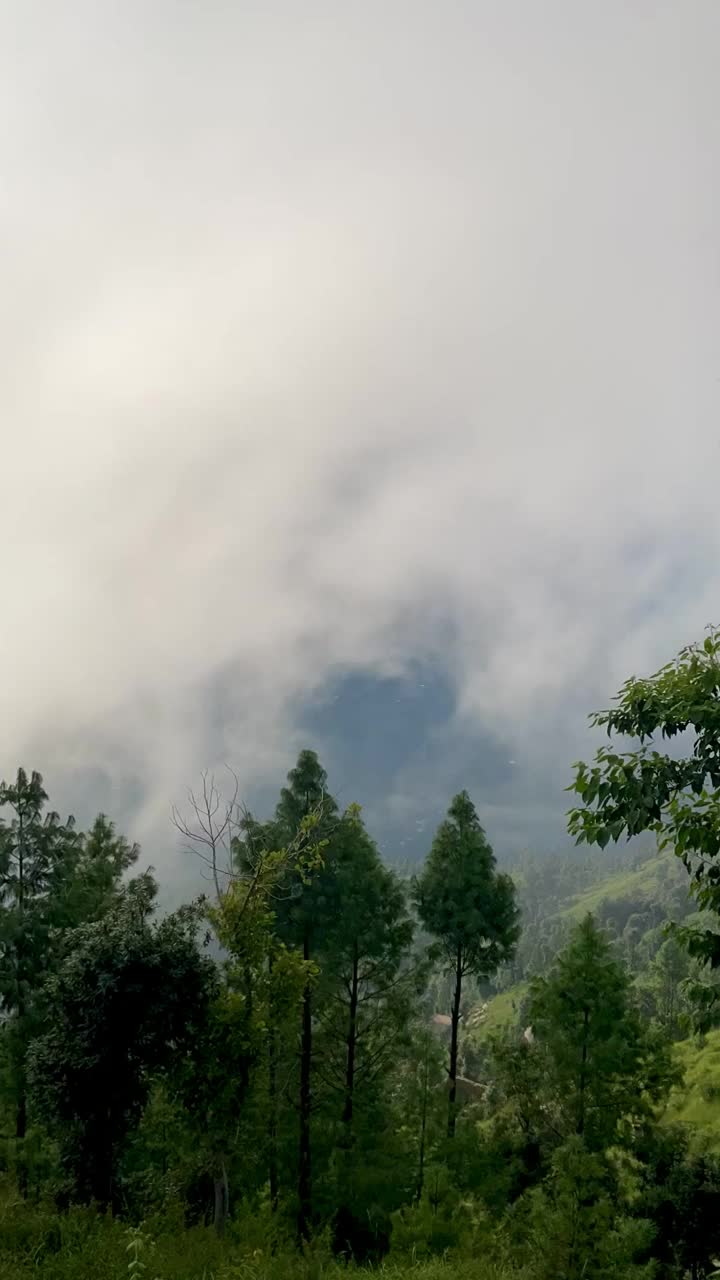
327	1062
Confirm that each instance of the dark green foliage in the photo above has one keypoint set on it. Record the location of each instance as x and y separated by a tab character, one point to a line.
128	998
602	1069
91	875
463	901
579	1227
37	856
681	1196
469	908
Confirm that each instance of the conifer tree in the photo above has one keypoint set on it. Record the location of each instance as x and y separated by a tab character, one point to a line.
469	908
37	852
301	918
602	1065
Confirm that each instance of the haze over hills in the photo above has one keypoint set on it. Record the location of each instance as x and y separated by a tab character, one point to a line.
337	350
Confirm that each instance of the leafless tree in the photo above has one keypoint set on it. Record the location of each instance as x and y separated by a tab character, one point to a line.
213	824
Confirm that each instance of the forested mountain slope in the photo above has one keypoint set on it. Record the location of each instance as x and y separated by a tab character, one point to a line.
634	898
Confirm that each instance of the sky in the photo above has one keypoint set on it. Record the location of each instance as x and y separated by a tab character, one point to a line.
351	354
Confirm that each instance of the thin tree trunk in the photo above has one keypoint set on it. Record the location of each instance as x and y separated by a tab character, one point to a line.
272	1100
304	1166
423	1127
101	1182
351	1043
580	1128
455	1022
20	1131
222	1199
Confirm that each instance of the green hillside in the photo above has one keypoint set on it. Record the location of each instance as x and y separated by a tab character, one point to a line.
697	1101
499	1012
640	889
642	884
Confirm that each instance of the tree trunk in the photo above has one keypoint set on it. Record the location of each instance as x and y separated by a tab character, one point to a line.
102	1188
272	1101
455	1022
580	1127
20	1131
222	1200
423	1127
304	1167
351	1044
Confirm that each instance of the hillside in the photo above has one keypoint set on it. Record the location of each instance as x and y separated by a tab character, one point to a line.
697	1101
646	893
639	885
633	902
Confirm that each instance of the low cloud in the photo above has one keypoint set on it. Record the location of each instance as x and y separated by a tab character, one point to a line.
344	344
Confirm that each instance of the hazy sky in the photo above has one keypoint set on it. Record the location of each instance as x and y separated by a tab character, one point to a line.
346	336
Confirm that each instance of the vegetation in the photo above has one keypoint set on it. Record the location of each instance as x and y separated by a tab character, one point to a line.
472	1072
469	909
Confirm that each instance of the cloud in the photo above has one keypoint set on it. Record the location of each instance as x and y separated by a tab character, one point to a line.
344	339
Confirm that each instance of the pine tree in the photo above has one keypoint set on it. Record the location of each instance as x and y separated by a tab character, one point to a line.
301	919
366	962
368	985
37	853
603	1067
469	908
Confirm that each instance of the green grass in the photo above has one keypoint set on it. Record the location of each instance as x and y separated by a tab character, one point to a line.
643	883
696	1102
499	1013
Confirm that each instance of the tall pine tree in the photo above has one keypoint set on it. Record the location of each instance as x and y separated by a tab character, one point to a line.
469	908
37	854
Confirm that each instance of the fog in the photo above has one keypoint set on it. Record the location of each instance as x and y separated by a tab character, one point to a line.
347	338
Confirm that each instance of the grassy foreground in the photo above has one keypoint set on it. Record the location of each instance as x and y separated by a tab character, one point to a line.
86	1245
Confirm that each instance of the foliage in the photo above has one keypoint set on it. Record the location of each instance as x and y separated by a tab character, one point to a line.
125	999
673	796
463	902
469	908
289	1085
603	1070
52	878
577	1225
681	1195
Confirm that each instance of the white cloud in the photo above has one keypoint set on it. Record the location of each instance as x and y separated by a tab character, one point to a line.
327	336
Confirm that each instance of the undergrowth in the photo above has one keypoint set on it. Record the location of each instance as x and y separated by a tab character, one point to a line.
88	1245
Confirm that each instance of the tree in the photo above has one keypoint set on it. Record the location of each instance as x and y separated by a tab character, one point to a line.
252	873
469	908
37	853
604	1072
366	963
89	879
366	987
521	1131
128	997
265	979
662	985
681	1196
676	797
580	1227
301	915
